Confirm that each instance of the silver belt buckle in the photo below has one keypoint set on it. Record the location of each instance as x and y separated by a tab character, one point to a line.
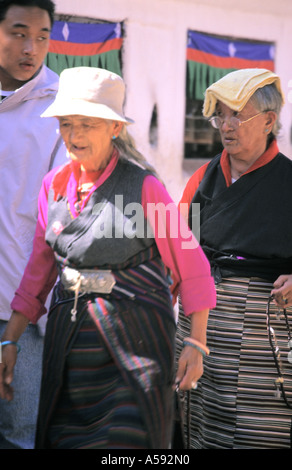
89	280
101	281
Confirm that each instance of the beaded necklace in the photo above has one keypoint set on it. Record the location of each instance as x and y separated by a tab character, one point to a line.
86	182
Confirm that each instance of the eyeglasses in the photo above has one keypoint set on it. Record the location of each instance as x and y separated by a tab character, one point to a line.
234	122
279	382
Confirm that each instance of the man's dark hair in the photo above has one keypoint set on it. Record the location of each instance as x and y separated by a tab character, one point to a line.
47	5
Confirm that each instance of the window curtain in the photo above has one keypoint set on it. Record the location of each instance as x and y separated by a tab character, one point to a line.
85	44
209	58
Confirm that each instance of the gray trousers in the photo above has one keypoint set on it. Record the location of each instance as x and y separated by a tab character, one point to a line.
18	417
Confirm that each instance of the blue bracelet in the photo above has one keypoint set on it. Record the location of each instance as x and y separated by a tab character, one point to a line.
195	346
11	342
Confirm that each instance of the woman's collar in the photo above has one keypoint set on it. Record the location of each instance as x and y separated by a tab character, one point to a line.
265	158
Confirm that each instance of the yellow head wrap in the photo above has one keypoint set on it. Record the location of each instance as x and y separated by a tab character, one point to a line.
236	88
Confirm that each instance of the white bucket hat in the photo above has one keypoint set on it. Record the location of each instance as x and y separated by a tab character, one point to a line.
89	91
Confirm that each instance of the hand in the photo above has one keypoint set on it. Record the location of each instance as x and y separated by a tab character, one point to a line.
9	355
282	291
190	368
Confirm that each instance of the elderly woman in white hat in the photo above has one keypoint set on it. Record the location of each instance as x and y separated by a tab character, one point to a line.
108	366
244	398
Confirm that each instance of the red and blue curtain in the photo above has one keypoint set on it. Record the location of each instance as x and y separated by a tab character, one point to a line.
85	44
209	58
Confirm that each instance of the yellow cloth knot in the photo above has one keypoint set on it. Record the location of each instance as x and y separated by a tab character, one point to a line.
236	88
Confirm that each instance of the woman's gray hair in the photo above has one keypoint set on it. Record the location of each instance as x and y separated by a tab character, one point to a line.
268	98
128	151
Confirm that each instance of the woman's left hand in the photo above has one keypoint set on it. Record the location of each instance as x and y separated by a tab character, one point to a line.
282	291
190	368
190	364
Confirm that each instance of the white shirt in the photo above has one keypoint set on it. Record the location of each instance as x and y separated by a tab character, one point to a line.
27	142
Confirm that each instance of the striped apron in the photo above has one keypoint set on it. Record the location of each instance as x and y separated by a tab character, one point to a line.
236	405
107	378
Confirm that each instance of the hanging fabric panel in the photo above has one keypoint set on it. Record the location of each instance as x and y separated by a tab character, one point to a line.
209	58
85	44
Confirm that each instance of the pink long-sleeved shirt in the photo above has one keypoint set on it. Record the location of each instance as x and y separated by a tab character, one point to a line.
178	248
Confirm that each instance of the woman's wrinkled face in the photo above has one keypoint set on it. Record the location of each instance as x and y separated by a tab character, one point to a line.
249	139
88	139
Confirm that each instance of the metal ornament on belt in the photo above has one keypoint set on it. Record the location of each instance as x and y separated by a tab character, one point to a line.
91	280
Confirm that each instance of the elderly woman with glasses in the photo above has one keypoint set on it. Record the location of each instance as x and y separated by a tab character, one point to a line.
245	196
108	365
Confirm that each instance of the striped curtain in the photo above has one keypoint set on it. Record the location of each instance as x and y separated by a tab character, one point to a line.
85	44
209	58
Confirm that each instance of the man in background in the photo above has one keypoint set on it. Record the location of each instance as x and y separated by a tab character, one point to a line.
29	147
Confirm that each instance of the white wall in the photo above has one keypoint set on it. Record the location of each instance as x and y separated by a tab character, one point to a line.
154	58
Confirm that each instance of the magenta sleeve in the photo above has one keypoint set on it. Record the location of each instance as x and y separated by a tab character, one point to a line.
178	248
